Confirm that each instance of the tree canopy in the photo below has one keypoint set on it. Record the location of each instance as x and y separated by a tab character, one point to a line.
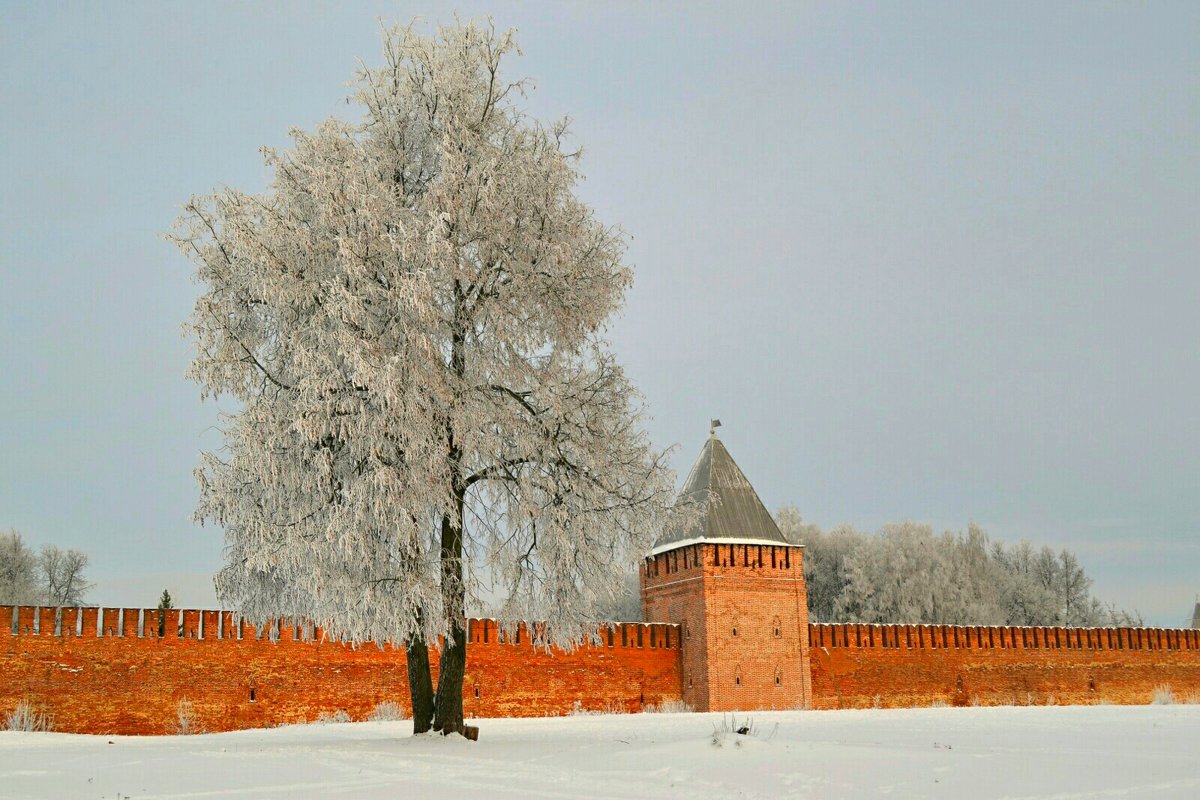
49	577
411	319
907	574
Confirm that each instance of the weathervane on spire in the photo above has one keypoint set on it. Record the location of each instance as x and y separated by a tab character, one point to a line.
713	424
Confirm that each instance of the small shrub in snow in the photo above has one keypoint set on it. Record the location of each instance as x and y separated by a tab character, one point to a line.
668	707
609	708
939	703
26	718
185	719
731	730
1163	696
328	717
388	711
290	722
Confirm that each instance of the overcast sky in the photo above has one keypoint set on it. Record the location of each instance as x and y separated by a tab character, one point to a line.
932	262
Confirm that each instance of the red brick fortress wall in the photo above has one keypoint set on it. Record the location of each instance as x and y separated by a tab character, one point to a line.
630	666
860	666
126	670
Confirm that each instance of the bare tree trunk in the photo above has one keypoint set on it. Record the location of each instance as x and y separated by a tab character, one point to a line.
448	711
420	684
450	681
453	664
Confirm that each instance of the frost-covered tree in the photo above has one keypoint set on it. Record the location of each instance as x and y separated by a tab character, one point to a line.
411	322
824	560
51	577
907	574
903	574
1074	588
1024	599
18	570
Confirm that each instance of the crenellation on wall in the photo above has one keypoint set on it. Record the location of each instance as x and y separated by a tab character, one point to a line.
126	683
89	627
998	664
130	625
189	626
1001	637
210	625
68	621
614	634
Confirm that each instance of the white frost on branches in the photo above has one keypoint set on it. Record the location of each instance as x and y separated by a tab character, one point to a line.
51	577
907	574
411	321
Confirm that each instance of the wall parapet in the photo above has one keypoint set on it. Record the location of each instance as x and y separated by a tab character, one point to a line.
95	622
92	622
999	637
125	670
652	635
692	560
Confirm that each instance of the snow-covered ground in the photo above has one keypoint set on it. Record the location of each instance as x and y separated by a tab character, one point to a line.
974	753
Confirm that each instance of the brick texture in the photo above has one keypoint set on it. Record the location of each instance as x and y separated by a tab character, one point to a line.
860	666
129	679
743	610
125	670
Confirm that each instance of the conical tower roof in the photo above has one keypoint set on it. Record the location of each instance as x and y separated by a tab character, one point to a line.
734	512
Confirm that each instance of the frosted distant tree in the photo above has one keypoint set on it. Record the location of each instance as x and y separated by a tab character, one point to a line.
824	560
411	321
62	576
1075	590
906	574
980	578
18	571
1025	600
626	606
1045	570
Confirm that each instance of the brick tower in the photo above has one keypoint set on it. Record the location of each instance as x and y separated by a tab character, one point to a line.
736	588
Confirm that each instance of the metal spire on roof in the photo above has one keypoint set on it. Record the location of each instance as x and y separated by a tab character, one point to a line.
731	511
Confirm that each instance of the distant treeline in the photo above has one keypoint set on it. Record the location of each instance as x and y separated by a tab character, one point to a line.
49	577
907	574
